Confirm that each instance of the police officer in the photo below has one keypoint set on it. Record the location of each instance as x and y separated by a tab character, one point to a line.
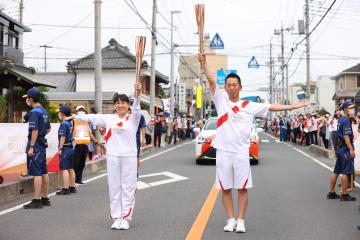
66	152
345	153
39	126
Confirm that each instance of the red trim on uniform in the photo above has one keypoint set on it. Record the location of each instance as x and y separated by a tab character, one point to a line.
128	213
111	218
245	103
119	124
222	119
236	109
222	187
108	135
245	183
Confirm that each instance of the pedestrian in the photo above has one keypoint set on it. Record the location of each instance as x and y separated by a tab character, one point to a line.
149	130
282	125
313	129
324	131
232	142
158	130
121	155
345	153
66	152
184	127
174	130
39	127
307	129
333	130
82	136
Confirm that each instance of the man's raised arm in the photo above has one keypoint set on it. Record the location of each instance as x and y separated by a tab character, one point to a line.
209	77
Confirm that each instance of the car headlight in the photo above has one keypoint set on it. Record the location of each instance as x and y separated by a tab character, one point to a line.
202	139
253	137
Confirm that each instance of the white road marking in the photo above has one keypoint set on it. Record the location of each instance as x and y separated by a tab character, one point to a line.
265	140
20	206
312	158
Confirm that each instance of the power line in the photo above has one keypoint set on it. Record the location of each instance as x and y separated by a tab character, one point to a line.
62	34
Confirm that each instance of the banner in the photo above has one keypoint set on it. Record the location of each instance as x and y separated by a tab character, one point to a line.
198	97
12	150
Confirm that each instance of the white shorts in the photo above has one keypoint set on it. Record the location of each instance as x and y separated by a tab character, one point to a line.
232	170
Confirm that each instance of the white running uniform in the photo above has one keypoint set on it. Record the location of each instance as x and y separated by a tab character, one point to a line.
121	152
232	141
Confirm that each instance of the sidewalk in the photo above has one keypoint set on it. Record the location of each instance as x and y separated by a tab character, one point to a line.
15	191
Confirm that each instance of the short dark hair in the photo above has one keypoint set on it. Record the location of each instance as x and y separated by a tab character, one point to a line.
121	97
233	75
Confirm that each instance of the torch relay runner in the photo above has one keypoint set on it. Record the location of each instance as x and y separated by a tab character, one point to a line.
232	142
121	154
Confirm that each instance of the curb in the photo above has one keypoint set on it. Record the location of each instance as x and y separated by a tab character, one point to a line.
320	151
14	190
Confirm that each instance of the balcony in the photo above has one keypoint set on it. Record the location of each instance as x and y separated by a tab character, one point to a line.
11	53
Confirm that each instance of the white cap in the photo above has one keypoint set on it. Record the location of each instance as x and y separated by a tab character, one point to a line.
80	107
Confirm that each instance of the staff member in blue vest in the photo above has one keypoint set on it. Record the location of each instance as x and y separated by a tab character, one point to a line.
66	151
345	153
39	126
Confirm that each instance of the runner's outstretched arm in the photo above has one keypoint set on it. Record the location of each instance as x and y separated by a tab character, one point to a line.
209	77
281	107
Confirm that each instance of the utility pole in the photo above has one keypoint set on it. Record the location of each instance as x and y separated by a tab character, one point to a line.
271	77
307	23
271	88
172	98
45	55
21	11
98	57
282	65
287	84
153	53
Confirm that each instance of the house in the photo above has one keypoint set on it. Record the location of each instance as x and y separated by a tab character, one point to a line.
325	89
11	39
13	73
347	84
118	72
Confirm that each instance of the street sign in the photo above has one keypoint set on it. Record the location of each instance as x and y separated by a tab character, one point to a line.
216	42
253	63
221	75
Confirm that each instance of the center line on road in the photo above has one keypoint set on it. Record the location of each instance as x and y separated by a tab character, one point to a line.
202	219
20	206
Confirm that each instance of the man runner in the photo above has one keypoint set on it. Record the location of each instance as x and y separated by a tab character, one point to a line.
233	141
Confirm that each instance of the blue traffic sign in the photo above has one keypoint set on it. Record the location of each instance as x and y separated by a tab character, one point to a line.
253	63
221	75
216	42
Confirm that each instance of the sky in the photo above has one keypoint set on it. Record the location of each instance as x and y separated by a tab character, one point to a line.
246	28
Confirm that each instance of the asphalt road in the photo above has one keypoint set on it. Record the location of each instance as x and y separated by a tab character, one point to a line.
288	201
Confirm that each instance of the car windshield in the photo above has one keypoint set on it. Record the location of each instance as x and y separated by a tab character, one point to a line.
211	124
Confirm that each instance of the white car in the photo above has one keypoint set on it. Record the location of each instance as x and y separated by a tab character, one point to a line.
204	150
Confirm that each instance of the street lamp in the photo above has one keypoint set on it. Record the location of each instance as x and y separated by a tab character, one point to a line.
172	99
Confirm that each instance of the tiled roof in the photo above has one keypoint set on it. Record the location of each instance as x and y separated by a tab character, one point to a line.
64	82
354	69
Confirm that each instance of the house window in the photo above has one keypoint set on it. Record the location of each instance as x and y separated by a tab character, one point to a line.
1	34
341	86
358	81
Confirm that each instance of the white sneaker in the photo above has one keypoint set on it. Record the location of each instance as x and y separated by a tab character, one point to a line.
124	225
230	226
116	224
240	226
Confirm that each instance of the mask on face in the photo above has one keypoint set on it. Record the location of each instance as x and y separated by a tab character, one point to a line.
352	112
28	102
81	113
60	116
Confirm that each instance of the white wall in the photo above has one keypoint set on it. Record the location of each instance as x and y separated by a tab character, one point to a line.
112	81
326	89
